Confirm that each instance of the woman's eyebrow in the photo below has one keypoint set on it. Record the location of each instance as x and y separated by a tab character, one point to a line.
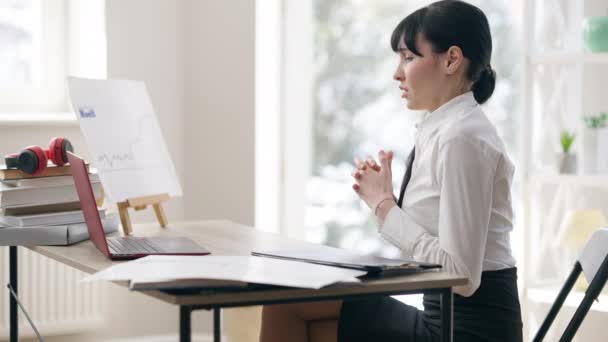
403	49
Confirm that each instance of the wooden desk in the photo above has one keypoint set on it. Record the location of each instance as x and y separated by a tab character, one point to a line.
229	238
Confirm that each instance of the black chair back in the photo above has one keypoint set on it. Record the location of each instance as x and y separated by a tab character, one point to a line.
594	261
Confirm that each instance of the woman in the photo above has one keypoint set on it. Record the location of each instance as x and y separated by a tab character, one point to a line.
454	207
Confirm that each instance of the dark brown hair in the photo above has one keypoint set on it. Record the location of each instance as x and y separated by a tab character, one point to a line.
449	23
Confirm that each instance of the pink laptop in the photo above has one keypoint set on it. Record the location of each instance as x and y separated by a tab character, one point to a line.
130	247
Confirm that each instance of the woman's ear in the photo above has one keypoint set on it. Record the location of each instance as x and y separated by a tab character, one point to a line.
454	59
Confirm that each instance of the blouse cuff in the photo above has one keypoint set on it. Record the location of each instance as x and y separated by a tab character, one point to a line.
400	230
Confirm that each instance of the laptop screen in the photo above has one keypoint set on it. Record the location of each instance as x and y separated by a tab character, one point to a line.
87	203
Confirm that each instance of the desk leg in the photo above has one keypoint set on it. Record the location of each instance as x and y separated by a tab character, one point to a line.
217	325
185	324
185	316
447	313
14	318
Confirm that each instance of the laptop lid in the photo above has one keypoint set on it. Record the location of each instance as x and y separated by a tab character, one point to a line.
87	203
331	256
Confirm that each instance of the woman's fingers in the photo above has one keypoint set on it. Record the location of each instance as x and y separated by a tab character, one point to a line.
390	161
359	164
372	163
369	162
385	159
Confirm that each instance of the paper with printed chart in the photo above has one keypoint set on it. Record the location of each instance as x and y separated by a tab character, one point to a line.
249	269
124	139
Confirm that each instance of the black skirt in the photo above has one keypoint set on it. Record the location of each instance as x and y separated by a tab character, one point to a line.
491	314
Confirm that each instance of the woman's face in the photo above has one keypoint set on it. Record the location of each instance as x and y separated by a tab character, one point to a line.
419	77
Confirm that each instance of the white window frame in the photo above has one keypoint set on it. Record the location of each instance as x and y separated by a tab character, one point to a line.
268	62
284	75
297	111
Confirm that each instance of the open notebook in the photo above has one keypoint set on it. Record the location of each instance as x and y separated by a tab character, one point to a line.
326	255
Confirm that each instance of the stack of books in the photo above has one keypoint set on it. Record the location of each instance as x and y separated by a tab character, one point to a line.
45	209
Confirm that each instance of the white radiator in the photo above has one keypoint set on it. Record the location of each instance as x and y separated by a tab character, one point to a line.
53	296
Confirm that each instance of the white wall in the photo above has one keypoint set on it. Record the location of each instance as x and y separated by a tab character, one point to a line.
145	42
219	110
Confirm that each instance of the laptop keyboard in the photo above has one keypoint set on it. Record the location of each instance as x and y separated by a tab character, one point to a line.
132	246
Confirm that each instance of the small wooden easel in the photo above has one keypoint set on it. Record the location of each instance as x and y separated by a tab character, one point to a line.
140	203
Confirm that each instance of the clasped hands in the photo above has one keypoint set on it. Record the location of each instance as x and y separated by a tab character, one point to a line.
373	181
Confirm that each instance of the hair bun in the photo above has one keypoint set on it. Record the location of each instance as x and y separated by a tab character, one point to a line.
484	86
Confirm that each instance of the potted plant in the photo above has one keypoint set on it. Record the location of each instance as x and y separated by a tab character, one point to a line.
595	135
567	159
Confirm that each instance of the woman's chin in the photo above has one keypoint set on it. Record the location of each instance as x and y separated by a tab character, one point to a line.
413	105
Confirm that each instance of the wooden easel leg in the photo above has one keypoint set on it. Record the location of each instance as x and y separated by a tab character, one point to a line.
141	203
123	210
160	214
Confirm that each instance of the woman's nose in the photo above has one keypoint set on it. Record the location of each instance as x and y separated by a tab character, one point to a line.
398	75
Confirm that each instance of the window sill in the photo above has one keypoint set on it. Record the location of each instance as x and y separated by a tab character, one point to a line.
38	119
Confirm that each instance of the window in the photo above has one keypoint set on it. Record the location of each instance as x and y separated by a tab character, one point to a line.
20	36
32	55
43	41
339	101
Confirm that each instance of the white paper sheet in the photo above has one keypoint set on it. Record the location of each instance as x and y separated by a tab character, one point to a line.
123	136
248	269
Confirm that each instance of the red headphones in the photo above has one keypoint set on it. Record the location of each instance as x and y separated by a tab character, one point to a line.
33	159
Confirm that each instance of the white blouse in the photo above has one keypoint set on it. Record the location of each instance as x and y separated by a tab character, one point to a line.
457	206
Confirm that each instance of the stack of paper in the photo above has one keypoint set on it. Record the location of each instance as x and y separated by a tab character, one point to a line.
17	194
65	234
45	209
46	219
245	269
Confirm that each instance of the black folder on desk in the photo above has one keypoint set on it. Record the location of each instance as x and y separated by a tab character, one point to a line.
330	256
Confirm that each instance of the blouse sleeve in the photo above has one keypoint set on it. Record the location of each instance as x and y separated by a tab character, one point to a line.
465	176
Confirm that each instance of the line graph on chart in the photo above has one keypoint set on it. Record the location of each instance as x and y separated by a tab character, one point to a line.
136	151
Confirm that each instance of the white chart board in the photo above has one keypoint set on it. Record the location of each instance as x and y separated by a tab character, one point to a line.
124	138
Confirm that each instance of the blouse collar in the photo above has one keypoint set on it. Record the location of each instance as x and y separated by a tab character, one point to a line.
450	110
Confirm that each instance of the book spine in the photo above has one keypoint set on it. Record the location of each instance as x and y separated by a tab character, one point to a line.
43	196
52	235
39	236
52	171
72	218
